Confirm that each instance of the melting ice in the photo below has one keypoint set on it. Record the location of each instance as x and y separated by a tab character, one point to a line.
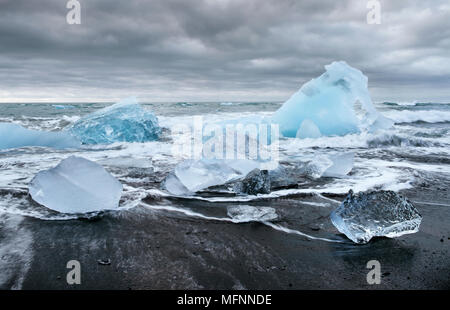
374	214
325	105
125	121
76	185
15	136
245	214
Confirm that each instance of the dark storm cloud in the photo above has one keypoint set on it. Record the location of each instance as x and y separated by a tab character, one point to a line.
218	49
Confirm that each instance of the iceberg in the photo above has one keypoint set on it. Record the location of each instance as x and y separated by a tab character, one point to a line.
244	214
256	182
15	136
327	105
125	121
76	185
375	214
308	129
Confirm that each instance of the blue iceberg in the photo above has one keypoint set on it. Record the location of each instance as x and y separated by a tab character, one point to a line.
76	185
125	121
326	106
15	136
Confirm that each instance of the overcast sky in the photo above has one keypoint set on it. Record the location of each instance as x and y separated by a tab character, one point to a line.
218	50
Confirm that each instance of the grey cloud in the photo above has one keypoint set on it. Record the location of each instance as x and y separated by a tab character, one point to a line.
218	49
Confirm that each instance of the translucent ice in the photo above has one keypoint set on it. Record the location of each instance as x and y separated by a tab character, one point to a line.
125	121
342	165
76	185
328	102
15	136
332	165
379	213
245	214
195	175
255	182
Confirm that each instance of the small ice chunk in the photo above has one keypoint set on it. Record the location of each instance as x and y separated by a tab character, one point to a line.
375	214
315	168
308	129
125	121
256	182
244	214
196	175
342	165
15	136
174	186
76	185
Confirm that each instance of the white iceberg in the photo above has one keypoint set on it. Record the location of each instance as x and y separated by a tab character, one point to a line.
375	214
15	136
125	121
328	102
76	185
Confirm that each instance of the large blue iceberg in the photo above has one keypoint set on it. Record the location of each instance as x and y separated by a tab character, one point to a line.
326	106
15	136
125	121
76	185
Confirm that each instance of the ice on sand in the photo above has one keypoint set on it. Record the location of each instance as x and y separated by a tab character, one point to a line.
15	136
342	165
125	121
256	182
333	165
196	175
374	214
76	185
327	104
244	214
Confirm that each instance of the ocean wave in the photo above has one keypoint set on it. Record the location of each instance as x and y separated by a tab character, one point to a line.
430	116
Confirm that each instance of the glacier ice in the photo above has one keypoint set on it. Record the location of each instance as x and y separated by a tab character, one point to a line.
244	214
174	186
76	185
333	165
308	129
255	182
316	167
374	214
328	102
15	136
342	165
125	121
195	175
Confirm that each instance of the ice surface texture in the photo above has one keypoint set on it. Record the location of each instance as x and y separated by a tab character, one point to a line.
76	185
125	121
256	182
191	176
326	104
15	136
374	214
244	214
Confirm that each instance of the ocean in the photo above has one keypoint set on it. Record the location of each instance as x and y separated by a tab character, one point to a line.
412	157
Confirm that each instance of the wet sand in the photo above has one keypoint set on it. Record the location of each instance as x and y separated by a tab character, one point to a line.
160	249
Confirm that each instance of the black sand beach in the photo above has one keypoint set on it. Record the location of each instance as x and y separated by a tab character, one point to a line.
157	249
